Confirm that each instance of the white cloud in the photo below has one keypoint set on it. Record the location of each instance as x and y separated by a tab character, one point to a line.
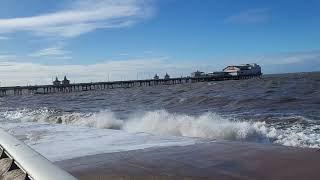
52	52
123	54
4	38
81	17
250	16
7	57
290	58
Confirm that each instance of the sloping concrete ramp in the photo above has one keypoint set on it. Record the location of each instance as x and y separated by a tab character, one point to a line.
19	162
214	160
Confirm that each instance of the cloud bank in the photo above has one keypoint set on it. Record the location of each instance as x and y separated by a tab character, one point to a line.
7	57
82	16
291	58
20	73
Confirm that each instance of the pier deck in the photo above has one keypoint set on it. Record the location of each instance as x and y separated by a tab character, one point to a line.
77	87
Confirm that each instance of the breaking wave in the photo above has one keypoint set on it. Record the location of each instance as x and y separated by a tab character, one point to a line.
209	126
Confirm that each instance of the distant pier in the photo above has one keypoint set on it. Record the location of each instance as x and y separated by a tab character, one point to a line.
78	87
244	71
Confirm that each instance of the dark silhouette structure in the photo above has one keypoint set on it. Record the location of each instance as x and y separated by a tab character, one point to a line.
56	82
65	81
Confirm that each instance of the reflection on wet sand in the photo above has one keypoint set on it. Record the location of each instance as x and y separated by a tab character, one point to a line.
215	160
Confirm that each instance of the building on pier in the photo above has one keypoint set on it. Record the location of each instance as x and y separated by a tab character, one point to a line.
244	70
156	77
65	81
198	74
56	82
218	74
167	76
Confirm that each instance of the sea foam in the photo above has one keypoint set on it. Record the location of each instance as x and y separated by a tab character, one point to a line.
208	126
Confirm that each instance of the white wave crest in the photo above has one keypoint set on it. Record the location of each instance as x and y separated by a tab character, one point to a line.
206	126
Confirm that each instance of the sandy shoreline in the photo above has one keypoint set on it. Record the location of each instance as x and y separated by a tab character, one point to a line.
215	160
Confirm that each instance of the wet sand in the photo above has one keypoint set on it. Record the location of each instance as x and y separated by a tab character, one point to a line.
214	160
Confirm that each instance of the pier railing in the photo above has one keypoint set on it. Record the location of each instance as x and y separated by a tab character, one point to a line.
21	162
46	89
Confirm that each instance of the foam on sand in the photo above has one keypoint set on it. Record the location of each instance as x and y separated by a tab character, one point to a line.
61	142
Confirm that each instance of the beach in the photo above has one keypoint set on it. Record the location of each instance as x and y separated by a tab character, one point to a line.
212	160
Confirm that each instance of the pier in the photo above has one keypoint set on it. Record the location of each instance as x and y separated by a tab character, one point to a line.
78	87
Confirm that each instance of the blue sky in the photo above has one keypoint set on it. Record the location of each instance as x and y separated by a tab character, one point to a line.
92	40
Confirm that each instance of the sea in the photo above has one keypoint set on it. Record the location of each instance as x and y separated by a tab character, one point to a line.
281	109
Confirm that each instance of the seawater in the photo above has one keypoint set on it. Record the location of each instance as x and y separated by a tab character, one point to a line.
276	109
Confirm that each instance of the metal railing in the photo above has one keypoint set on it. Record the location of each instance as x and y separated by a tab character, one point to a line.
21	157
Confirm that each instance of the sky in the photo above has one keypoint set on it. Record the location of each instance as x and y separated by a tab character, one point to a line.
100	40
